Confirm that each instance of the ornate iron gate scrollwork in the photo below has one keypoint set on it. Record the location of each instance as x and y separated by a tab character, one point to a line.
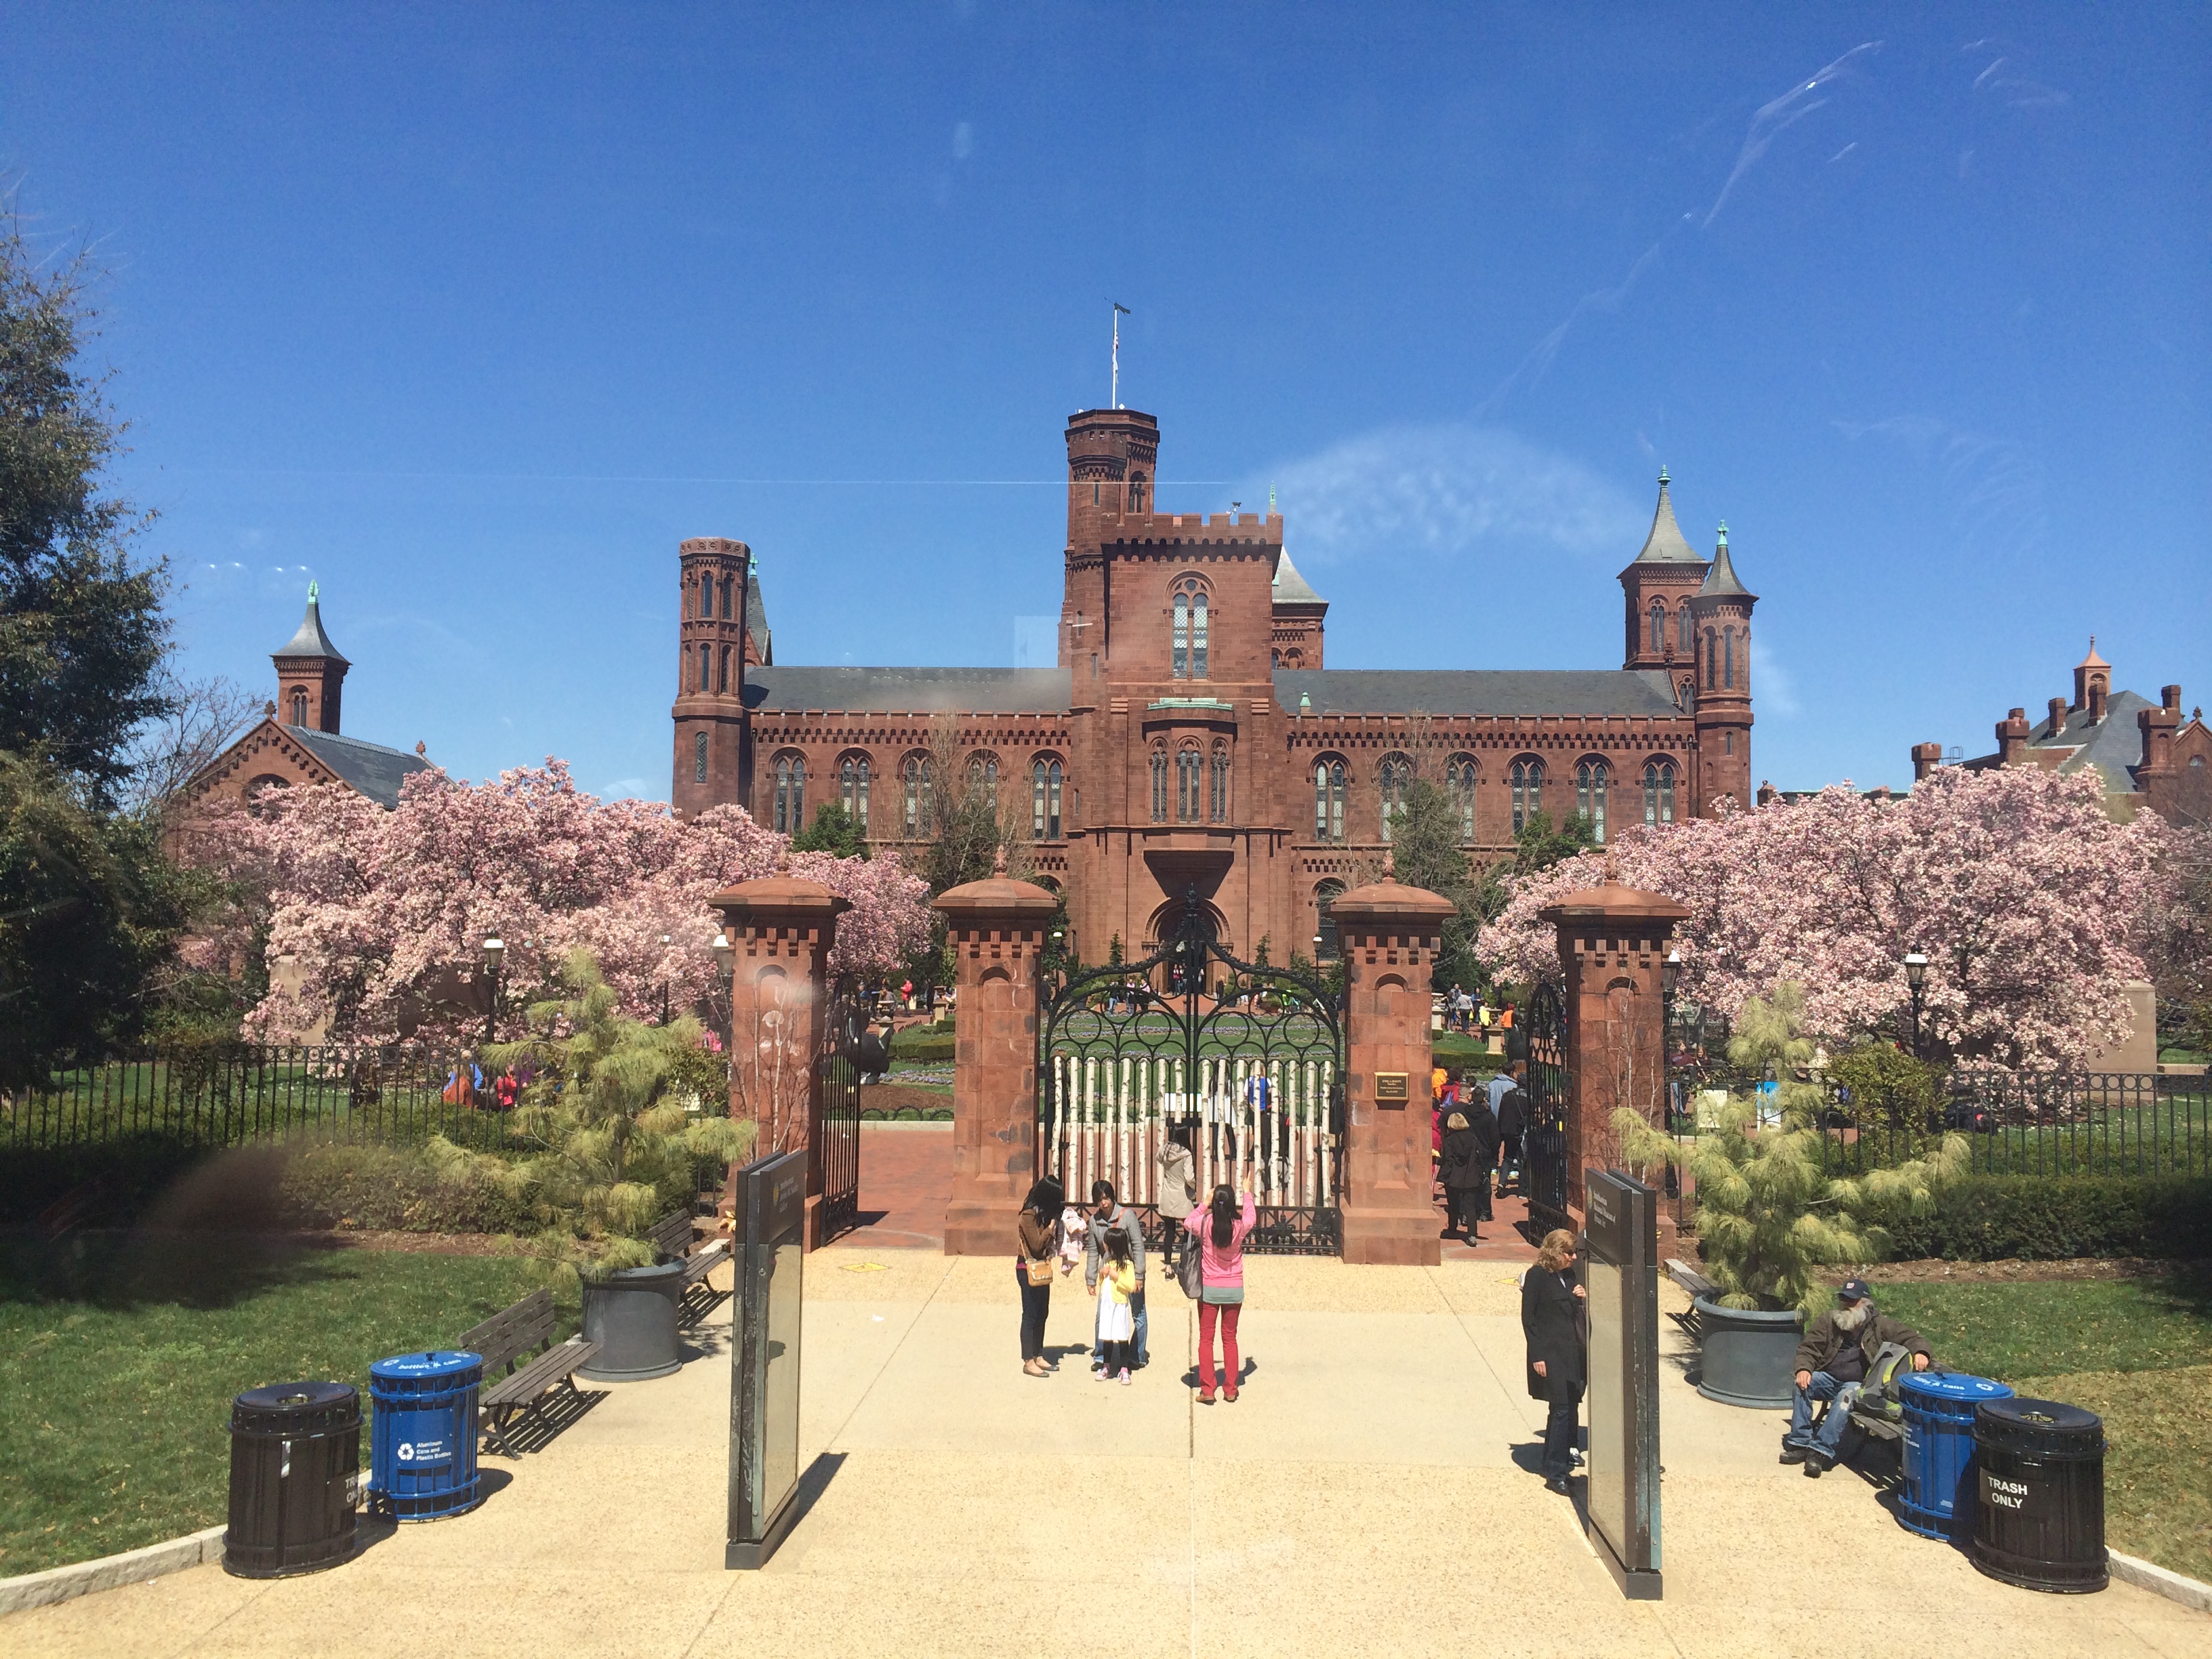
1242	1060
1550	1094
837	1146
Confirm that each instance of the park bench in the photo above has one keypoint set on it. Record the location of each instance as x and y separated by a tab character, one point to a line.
672	1237
523	1335
1697	1285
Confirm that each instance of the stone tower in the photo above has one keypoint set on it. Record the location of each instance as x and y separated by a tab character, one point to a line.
712	767
1720	616
1657	587
310	672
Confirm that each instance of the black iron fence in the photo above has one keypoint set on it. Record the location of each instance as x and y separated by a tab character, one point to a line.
230	1093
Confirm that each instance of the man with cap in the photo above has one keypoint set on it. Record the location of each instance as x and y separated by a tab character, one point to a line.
1832	1362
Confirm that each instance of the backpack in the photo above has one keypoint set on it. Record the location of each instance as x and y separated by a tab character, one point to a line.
1880	1395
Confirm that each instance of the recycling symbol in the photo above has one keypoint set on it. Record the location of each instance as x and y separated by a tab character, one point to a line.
406	1453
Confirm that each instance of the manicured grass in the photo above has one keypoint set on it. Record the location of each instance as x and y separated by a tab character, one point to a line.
2138	1352
117	1370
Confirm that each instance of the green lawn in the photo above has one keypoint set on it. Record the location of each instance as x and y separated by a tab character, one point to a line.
2136	1351
117	1370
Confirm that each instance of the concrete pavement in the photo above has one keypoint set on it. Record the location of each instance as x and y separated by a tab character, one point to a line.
1368	1493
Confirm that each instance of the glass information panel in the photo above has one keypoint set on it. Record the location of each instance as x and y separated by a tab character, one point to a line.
764	1358
1621	1273
1608	1473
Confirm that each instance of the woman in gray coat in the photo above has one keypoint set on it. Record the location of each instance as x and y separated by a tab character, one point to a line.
1178	1190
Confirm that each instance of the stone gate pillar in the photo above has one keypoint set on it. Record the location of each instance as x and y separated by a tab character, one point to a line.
997	929
1612	940
780	929
1389	936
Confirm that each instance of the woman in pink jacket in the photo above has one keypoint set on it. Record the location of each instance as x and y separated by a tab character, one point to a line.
1220	1229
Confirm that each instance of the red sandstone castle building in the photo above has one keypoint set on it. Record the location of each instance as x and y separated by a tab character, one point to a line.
1191	737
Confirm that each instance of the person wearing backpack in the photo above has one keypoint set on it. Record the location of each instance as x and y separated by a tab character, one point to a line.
1221	1229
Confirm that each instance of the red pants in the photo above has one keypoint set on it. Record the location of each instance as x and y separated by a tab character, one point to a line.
1206	1313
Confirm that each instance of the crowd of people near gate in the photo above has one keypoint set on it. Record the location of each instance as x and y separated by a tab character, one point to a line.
1477	1134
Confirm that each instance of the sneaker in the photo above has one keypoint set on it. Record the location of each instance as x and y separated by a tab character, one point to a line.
1100	1374
1125	1376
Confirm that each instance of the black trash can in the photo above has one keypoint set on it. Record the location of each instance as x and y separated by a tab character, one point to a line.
295	1451
2040	1520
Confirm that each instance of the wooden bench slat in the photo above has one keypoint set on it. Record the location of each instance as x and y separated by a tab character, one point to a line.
550	1367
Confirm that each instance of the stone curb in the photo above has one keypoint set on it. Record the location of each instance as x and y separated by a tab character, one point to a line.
2157	1580
39	1589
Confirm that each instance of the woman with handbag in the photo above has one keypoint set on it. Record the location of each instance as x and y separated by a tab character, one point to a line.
1220	1229
1038	1227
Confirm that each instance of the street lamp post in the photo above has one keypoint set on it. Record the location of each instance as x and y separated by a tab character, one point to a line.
1916	980
725	965
494	950
665	943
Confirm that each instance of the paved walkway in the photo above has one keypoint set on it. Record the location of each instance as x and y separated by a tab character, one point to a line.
1369	1494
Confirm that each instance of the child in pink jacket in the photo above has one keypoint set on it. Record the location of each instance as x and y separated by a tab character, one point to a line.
1220	1229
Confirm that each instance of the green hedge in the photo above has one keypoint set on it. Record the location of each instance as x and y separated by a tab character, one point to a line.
2050	1219
928	1045
391	1188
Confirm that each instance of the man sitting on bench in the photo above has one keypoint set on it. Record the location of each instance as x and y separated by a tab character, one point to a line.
1832	1362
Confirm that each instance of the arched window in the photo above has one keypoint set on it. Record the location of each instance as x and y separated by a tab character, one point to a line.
1324	924
788	816
1160	783
1198	635
1180	664
1728	658
1044	799
1217	790
299	707
1393	780
1685	637
1459	783
1136	492
259	793
729	608
913	776
1711	645
1589	796
1274	660
722	672
1527	782
983	771
1190	777
707	597
698	757
1187	656
852	788
1659	792
1329	800
706	667
1658	627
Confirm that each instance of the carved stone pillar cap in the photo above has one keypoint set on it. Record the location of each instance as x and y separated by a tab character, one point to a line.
793	895
997	895
1390	900
1614	902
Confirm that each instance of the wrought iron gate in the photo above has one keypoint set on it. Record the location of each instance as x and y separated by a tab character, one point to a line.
1550	1094
1241	1061
837	1134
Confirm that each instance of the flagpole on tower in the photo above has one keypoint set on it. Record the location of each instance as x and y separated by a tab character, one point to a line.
1119	312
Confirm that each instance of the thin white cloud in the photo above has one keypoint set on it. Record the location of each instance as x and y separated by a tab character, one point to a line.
1771	683
1448	489
1993	486
622	789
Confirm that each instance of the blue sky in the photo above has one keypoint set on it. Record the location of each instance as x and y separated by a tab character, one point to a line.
471	313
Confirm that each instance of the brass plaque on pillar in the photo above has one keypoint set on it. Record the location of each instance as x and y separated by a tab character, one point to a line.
1391	1091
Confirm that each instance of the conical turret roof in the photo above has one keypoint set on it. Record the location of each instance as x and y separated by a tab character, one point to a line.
1665	544
1291	588
311	641
1720	580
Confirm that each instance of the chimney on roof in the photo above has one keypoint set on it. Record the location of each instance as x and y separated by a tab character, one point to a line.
1767	794
1926	758
2170	695
2012	738
2157	727
2057	717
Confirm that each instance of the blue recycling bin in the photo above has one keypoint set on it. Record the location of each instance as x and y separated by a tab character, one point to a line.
1939	1450
422	1443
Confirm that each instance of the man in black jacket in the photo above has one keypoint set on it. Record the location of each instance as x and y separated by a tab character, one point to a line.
1512	1108
1832	1362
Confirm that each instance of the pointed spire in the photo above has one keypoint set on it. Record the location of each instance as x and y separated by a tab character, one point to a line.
2093	660
1291	588
1723	532
1665	544
311	641
1720	579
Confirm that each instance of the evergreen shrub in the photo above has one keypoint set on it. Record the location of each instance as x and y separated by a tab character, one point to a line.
2057	1218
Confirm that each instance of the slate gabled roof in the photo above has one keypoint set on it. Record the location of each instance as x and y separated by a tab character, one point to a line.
376	771
2113	746
907	690
1477	691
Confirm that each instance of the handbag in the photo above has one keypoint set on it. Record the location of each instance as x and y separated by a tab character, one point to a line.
1039	1272
1190	1271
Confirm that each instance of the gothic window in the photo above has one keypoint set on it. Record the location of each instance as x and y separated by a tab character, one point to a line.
1044	799
1188	658
789	815
698	757
707	597
1217	795
1396	777
1659	792
915	778
728	610
1190	772
1728	658
299	707
1527	779
1459	784
1326	895
722	673
1686	638
1711	644
1160	783
1658	627
1275	659
852	788
1589	796
1136	492
706	666
983	772
1329	800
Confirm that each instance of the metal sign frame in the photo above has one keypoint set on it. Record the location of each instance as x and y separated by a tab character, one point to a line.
1620	1264
764	1358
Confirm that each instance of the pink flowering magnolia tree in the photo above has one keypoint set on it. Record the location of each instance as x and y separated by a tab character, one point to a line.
383	914
2028	902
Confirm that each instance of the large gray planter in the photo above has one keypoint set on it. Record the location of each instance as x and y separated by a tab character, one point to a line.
1750	1359
631	1315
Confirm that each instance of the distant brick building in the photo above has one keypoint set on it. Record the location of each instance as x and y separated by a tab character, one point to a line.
1191	736
2148	754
